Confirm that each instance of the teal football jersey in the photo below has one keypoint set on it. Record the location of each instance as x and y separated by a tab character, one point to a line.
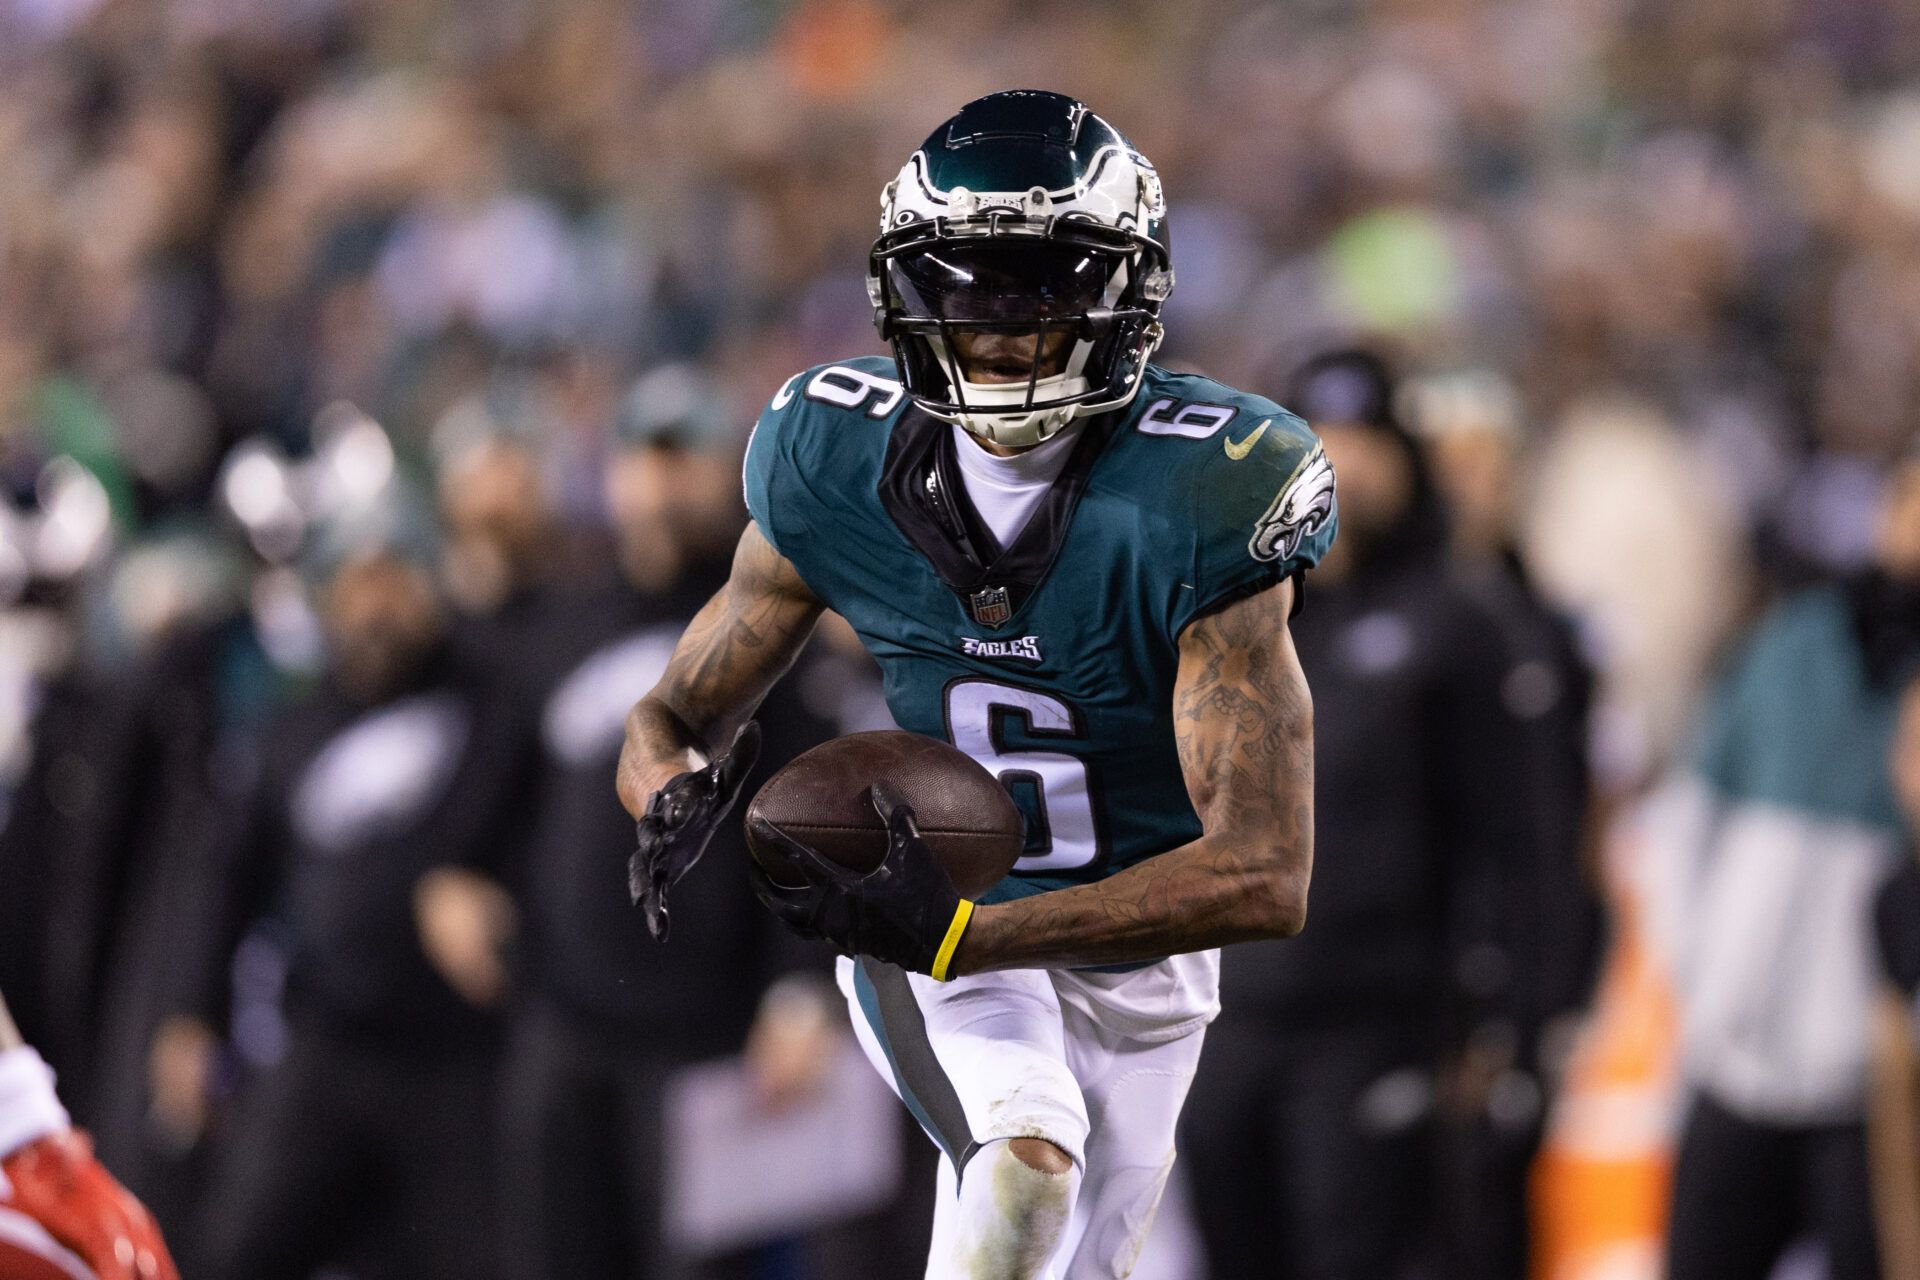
1051	661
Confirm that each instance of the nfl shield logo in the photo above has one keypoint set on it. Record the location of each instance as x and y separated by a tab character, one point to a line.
991	606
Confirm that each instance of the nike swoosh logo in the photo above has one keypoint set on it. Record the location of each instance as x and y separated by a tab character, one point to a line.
1241	450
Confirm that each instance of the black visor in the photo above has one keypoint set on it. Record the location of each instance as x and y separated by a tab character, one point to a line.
995	280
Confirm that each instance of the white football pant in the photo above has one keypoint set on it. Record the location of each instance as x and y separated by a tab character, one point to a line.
995	1056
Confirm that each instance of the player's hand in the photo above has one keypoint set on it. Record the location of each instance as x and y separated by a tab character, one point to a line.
793	1043
680	819
905	911
466	919
57	1182
179	1069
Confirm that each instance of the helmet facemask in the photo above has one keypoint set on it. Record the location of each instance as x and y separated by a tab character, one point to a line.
1045	278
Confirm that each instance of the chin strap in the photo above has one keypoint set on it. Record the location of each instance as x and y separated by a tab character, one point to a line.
1016	431
994	410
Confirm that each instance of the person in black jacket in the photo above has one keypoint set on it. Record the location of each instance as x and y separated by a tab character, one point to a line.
52	764
1313	1125
1470	423
64	766
196	705
370	1129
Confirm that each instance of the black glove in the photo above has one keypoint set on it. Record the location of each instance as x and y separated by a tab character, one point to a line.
679	821
905	911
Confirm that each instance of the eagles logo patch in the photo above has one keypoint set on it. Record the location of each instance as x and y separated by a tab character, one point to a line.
1302	508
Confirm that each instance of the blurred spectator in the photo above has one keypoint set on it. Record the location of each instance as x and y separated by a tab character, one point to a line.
1625	524
497	523
1314	1124
381	1078
1776	835
1893	1115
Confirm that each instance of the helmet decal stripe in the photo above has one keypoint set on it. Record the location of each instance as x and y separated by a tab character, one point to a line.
1073	191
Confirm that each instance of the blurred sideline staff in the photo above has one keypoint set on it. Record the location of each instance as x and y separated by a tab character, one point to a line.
1772	842
118	787
188	716
1315	1132
62	766
602	1016
369	1128
1470	423
1553	920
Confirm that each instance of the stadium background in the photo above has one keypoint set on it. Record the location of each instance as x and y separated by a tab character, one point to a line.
1676	245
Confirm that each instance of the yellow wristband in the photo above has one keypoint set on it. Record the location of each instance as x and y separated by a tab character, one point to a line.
944	956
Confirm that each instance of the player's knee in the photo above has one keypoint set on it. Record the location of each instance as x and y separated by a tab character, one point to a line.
1016	1199
1040	1155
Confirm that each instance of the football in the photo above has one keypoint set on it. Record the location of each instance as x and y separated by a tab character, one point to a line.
822	798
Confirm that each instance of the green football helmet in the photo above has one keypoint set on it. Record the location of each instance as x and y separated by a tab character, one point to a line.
1023	214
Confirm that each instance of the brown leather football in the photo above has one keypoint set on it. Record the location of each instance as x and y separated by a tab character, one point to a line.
821	798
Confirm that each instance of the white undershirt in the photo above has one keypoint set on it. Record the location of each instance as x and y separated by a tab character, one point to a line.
1006	491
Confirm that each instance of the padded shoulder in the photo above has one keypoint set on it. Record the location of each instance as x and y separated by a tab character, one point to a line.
1258	487
807	420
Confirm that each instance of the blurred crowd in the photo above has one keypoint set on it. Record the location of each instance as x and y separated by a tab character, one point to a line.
373	376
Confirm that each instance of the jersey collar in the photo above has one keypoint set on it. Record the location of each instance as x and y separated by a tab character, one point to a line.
921	491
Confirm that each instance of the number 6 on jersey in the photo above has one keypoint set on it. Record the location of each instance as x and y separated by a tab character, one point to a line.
1050	787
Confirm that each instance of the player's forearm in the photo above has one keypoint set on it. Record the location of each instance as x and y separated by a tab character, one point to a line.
656	732
1210	893
733	651
661	743
726	660
665	739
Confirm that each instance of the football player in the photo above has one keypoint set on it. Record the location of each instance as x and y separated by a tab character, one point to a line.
1078	568
62	1216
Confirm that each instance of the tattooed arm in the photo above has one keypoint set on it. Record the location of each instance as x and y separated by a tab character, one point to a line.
1244	722
742	641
